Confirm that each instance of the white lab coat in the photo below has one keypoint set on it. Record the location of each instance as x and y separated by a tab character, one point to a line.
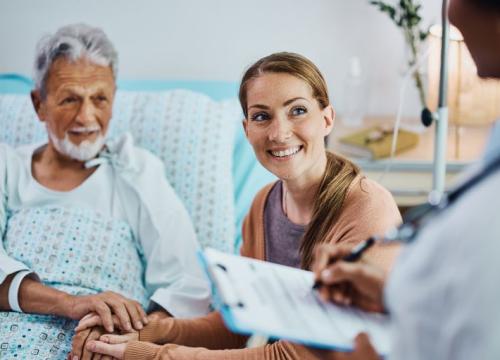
443	293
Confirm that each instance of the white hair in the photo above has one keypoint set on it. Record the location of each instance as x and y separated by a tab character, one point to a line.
73	42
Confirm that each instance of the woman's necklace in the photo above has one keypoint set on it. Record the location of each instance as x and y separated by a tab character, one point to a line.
285	194
298	220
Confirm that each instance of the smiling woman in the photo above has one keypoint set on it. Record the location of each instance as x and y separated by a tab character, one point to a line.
299	114
319	198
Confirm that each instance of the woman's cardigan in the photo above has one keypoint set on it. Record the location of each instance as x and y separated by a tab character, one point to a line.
368	209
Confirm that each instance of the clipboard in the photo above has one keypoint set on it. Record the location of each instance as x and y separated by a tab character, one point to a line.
258	297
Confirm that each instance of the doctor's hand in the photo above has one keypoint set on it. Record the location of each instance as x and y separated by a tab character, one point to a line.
360	283
128	313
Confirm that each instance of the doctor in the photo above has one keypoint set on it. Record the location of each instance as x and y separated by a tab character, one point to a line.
443	293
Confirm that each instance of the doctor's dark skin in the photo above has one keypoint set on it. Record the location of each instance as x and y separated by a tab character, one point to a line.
361	283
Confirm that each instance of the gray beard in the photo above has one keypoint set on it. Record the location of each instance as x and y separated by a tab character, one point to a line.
85	151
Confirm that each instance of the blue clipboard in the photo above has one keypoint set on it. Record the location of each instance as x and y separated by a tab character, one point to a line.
240	299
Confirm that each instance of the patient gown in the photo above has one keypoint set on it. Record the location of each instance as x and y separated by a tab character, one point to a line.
78	251
123	230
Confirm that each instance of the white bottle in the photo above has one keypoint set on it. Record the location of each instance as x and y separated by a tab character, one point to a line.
354	95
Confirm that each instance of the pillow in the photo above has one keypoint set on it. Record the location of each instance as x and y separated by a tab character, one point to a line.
191	133
15	84
249	177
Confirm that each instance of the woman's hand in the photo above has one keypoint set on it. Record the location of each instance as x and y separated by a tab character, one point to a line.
94	331
363	350
105	305
78	350
93	320
359	283
115	350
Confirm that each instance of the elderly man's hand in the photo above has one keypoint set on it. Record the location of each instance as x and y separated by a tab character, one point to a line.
360	284
93	319
105	305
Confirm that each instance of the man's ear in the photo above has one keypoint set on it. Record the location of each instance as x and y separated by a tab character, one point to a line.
329	118
36	99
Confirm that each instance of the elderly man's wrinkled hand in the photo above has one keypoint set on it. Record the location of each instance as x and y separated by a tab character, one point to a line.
93	319
128	312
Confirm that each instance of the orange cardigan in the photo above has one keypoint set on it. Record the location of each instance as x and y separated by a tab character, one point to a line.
368	209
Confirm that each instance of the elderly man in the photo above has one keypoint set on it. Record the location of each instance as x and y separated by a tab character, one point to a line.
88	226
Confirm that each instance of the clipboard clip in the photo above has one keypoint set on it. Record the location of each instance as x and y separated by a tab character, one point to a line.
227	293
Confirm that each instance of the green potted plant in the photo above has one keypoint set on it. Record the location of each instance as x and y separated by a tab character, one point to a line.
406	15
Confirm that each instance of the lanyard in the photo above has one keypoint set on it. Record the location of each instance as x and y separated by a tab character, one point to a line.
418	216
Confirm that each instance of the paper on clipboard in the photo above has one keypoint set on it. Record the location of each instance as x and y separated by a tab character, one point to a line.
259	297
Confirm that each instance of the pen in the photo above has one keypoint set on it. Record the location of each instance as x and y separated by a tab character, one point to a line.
355	254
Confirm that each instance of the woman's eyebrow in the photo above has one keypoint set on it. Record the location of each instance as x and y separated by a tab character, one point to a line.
259	106
288	102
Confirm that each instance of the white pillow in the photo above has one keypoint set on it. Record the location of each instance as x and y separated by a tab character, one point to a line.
191	133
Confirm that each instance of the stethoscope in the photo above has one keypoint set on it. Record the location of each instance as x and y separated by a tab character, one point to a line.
419	216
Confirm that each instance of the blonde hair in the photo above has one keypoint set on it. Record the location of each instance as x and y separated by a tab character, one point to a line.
286	63
339	172
338	176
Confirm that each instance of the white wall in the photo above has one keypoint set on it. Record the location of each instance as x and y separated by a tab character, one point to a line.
217	39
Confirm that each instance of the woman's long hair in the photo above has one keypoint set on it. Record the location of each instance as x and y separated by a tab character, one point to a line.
339	172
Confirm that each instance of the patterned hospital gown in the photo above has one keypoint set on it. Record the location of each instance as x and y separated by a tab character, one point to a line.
78	251
123	229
